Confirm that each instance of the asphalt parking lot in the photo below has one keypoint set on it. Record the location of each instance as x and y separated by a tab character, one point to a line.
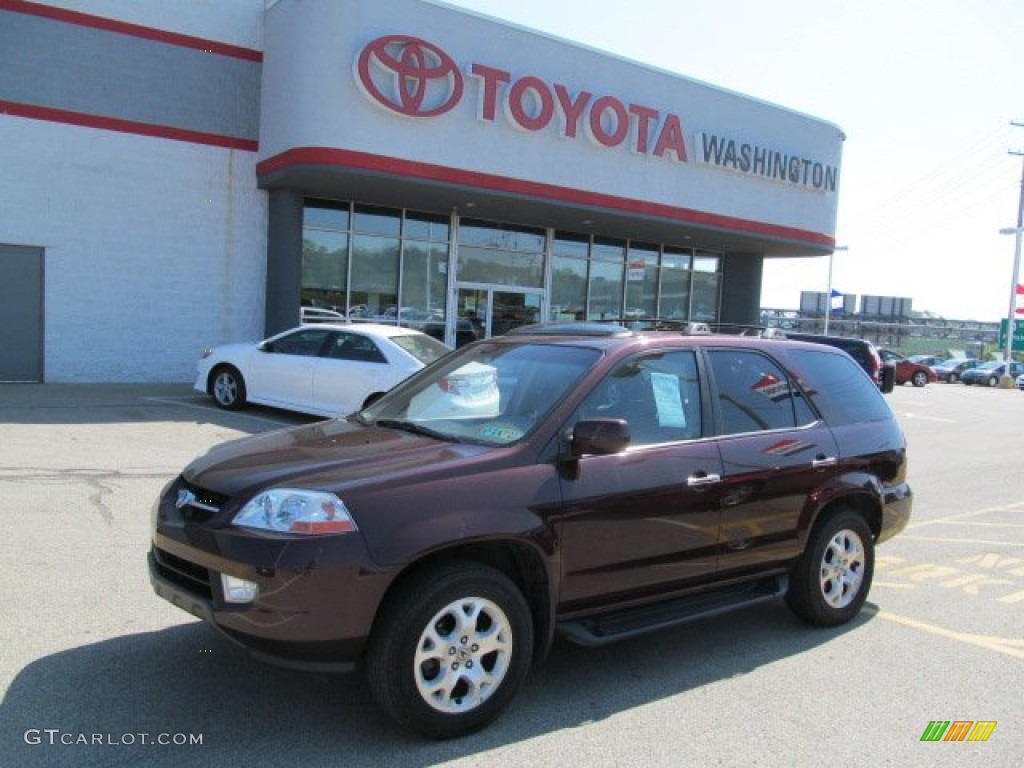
97	671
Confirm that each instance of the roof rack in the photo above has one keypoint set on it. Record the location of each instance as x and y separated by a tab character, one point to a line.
574	328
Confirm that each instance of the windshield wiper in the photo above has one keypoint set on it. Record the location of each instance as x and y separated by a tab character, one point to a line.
416	429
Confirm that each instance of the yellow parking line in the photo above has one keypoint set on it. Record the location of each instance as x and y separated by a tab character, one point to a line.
962	515
1014	648
965	541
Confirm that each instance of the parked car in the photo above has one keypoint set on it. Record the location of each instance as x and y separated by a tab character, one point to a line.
906	370
322	369
951	370
864	352
989	373
308	315
1020	382
588	481
929	360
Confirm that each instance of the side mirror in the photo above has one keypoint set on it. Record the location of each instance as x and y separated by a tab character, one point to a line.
598	437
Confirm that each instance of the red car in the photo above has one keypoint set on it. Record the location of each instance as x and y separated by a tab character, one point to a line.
906	370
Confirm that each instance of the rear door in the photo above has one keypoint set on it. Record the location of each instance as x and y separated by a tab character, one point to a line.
351	368
646	519
775	454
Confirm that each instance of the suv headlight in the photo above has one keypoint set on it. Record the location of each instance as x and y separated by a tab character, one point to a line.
291	510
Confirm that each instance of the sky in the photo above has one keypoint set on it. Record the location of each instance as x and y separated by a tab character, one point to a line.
925	91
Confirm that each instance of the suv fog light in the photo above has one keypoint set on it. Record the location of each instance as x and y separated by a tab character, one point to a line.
238	590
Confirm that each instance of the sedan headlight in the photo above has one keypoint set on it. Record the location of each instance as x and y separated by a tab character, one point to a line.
291	510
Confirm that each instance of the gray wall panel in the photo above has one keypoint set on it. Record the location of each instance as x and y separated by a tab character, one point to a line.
47	63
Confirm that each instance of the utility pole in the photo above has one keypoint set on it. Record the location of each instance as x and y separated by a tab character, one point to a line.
1007	380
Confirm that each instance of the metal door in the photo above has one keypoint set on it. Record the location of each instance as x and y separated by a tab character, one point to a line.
21	313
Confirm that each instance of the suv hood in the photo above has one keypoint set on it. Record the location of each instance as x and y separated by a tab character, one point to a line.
327	455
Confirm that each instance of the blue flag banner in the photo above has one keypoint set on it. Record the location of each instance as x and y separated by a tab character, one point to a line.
835	300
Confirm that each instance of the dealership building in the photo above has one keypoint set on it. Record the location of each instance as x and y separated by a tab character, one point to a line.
179	175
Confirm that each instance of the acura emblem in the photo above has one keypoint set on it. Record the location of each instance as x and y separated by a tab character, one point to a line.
185	499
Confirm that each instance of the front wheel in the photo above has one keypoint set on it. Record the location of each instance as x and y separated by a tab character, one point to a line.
830	582
993	381
227	387
450	650
919	379
953	378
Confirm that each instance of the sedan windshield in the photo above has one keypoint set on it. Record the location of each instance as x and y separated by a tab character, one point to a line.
492	394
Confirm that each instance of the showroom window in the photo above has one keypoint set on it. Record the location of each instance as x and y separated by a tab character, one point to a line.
500	254
359	259
595	278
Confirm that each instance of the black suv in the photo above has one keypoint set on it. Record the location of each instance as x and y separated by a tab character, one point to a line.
582	480
864	352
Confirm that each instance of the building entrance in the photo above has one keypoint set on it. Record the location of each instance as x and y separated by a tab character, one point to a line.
493	310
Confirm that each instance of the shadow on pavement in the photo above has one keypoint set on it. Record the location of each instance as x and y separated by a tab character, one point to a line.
187	679
131	403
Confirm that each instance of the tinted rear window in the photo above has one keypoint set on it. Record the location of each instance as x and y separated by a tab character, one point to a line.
839	388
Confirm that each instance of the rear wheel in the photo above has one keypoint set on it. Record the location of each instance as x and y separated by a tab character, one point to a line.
227	387
830	583
953	378
450	650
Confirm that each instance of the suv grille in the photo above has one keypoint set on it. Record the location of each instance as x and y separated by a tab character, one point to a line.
187	575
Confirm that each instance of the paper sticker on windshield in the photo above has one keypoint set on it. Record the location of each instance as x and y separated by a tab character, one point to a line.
668	400
505	433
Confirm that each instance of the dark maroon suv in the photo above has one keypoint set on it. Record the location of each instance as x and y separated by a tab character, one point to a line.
584	480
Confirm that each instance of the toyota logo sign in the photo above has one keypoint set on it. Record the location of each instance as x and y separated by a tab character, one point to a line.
409	76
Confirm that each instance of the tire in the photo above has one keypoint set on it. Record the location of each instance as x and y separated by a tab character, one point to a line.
953	378
919	379
993	381
227	387
450	650
831	580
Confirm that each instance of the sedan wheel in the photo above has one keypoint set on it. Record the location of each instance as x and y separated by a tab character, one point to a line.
919	379
831	582
993	381
451	650
227	387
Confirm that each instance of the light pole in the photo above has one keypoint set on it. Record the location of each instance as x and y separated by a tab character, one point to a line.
828	291
1006	380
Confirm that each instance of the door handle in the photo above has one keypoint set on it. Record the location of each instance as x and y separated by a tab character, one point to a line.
821	461
700	479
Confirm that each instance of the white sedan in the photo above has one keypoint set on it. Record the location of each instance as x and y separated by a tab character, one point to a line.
323	369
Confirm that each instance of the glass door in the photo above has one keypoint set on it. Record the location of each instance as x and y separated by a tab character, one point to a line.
485	311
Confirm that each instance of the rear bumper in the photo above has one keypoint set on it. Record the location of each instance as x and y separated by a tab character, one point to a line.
896	507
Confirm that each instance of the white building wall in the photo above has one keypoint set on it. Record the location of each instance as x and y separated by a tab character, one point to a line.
154	249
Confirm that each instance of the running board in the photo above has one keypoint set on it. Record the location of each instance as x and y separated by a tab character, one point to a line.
606	628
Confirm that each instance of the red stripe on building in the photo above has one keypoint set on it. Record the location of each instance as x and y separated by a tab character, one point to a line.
134	30
125	126
326	156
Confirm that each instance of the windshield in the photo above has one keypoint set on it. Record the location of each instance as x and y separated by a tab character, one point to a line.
492	394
